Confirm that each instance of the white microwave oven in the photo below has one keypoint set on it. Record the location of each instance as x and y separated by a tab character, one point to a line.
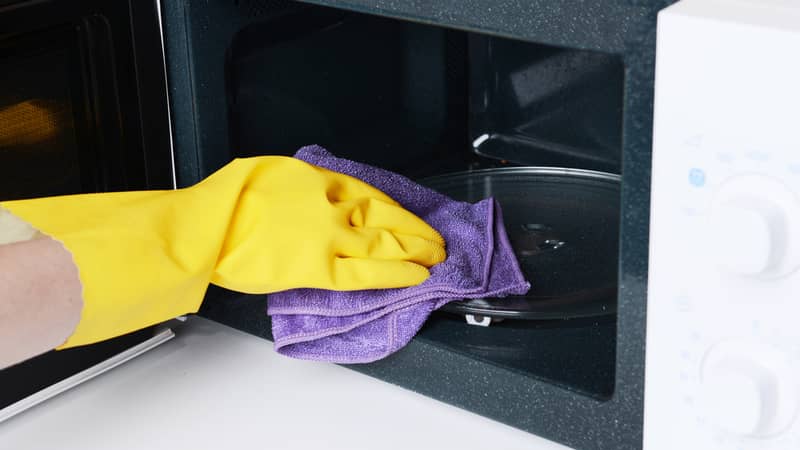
671	324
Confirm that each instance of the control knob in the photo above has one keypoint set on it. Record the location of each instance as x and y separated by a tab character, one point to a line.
748	389
752	220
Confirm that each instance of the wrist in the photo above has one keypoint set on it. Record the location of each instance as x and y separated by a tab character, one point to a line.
13	229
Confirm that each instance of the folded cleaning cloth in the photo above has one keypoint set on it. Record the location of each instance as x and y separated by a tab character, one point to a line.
364	326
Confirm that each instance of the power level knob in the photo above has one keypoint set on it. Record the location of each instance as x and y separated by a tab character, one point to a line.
750	235
750	227
748	389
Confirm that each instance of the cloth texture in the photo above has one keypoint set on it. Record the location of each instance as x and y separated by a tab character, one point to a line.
364	326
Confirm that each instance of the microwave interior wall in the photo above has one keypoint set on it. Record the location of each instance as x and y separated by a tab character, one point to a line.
255	78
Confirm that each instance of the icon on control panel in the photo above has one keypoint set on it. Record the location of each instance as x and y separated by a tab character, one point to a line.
697	177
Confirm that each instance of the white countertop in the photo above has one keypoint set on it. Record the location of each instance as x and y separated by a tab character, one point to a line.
216	387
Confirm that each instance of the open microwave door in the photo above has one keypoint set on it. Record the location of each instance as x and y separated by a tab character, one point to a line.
83	108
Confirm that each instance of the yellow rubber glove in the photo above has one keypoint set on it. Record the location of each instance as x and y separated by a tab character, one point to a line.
258	225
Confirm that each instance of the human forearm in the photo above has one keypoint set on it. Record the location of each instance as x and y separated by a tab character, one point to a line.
40	304
258	225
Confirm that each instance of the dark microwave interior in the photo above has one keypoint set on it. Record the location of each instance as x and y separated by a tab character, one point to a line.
429	101
419	99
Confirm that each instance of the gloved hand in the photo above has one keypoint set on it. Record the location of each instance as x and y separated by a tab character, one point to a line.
258	225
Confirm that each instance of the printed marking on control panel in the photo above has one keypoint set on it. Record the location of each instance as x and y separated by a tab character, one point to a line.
757	155
683	304
695	141
697	177
726	157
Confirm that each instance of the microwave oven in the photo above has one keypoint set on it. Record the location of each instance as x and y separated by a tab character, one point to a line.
669	356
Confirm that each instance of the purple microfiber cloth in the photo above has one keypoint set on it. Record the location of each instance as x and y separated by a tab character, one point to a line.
364	326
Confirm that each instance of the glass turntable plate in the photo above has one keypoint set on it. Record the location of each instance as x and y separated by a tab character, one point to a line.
564	227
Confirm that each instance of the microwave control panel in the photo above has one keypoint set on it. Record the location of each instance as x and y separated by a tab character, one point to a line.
723	312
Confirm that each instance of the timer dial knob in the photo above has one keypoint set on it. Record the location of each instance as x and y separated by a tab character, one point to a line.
752	218
748	389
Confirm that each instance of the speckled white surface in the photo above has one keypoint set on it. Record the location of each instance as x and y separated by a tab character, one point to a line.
215	387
